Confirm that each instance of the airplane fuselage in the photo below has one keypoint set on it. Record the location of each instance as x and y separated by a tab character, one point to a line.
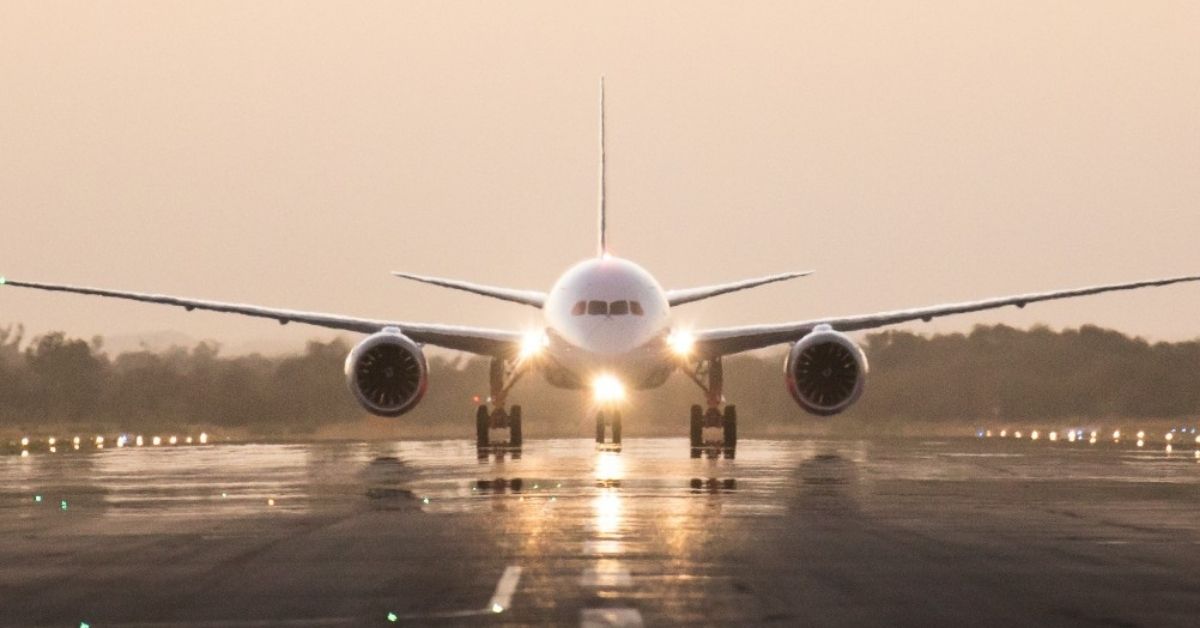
607	316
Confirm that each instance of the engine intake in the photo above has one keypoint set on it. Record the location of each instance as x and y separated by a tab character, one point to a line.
825	371
387	373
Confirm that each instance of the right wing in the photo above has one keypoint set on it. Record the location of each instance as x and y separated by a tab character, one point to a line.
524	297
472	340
718	342
688	295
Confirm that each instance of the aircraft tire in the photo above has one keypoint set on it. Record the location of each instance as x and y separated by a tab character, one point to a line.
730	425
515	437
600	427
616	428
697	427
482	423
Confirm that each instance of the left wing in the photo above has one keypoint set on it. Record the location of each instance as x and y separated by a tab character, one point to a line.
469	339
717	342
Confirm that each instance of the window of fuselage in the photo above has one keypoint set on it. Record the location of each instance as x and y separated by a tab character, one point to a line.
597	308
579	308
618	308
636	308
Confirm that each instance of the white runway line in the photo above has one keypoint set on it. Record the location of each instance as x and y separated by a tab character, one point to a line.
606	617
607	573
505	589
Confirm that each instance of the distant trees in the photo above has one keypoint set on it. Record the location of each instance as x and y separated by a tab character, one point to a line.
991	373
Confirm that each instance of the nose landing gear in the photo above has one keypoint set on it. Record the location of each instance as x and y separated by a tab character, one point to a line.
603	422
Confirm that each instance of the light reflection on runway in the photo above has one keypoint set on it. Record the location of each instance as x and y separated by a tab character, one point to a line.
805	531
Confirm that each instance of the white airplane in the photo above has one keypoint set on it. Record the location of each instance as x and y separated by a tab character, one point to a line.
607	330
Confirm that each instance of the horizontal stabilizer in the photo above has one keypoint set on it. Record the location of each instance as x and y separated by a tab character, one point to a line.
525	297
679	297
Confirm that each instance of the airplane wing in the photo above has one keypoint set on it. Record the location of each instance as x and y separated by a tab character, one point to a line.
717	342
524	297
679	297
472	340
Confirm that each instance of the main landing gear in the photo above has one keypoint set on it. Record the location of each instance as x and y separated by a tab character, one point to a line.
502	376
709	376
610	419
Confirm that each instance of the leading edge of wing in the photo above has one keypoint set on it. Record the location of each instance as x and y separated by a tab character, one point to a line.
689	295
524	297
725	341
469	339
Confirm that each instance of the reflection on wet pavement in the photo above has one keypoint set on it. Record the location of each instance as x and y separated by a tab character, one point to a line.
832	532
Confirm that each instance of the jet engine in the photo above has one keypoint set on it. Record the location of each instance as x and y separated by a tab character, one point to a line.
387	373
825	371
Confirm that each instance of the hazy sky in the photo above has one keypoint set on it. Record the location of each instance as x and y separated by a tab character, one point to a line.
291	154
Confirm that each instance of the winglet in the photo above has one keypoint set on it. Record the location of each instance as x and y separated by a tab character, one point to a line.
603	245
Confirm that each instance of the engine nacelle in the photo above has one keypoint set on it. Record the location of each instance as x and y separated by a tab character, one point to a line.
387	373
825	371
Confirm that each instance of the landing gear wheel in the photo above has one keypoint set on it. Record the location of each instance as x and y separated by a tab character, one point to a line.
600	427
514	427
482	423
616	428
730	425
697	427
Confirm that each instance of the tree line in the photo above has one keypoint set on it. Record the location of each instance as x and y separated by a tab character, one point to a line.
993	373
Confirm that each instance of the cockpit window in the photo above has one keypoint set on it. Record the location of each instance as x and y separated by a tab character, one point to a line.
597	307
636	308
618	308
579	308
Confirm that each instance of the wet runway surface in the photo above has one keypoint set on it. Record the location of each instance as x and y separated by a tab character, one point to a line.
952	532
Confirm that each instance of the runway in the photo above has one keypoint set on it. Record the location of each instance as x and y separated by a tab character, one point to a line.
954	532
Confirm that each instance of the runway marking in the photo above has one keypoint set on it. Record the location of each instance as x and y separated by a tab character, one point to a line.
505	589
604	617
607	573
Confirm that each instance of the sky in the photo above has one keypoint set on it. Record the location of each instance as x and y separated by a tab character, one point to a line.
291	154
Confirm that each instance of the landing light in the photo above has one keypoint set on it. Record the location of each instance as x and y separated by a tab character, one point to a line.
533	343
608	388
682	342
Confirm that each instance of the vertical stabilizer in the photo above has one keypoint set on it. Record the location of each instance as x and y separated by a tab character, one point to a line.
603	184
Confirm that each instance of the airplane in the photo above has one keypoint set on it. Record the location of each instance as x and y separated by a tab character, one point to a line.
607	330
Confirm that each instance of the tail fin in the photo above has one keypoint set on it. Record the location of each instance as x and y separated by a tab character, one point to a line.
603	186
